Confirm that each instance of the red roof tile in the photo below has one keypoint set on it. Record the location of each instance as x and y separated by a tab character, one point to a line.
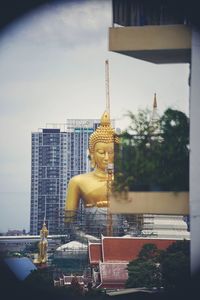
95	253
126	249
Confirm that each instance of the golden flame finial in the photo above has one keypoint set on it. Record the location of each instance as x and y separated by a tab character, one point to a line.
105	119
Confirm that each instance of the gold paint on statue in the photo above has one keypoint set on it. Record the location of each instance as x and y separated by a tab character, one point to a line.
92	187
42	245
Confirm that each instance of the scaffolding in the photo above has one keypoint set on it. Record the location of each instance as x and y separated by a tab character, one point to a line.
91	223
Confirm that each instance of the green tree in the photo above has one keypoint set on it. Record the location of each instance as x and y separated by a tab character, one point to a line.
175	264
39	285
153	154
143	274
76	288
145	270
149	251
40	278
174	155
169	268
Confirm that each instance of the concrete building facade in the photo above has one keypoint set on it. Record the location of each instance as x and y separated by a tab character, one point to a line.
161	32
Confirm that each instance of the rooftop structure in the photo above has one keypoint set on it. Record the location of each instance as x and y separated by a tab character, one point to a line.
66	280
156	32
109	259
20	267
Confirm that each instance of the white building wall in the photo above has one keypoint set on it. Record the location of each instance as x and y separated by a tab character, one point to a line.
195	152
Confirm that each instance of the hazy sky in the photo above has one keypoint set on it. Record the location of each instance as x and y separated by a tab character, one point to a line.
52	67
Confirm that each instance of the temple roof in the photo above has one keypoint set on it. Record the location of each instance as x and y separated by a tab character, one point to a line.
73	245
95	253
113	254
120	249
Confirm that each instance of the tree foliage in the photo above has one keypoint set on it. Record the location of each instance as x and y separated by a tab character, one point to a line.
145	270
76	288
143	274
175	265
154	268
174	156
40	278
149	251
153	155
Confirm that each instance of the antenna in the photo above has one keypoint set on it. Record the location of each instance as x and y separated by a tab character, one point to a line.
107	86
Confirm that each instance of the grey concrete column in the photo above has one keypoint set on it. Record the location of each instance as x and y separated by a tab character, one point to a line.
195	152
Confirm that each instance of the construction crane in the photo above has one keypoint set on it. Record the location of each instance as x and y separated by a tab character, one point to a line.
107	86
109	189
109	224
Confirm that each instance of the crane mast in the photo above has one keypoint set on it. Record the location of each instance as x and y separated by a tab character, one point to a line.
110	166
107	86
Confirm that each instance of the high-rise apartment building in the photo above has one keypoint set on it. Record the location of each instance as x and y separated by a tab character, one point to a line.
59	152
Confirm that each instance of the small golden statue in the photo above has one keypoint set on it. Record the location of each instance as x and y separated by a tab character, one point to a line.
92	187
42	245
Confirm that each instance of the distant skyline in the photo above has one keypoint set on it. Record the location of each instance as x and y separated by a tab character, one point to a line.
52	68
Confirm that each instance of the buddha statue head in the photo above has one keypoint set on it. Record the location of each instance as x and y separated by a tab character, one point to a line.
101	144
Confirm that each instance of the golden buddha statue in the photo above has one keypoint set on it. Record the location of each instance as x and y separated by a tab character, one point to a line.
92	187
43	244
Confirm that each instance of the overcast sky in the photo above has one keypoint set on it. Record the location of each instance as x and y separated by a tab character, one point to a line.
52	67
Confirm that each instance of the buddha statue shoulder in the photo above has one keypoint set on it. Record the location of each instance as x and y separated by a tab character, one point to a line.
92	187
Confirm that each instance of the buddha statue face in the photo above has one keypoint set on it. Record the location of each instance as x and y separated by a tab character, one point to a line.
103	155
101	144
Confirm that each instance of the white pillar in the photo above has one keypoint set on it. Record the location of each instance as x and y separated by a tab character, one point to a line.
195	152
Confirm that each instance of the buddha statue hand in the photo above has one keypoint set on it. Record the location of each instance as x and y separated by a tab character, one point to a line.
102	204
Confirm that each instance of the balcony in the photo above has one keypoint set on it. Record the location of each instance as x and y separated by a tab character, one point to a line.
160	44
